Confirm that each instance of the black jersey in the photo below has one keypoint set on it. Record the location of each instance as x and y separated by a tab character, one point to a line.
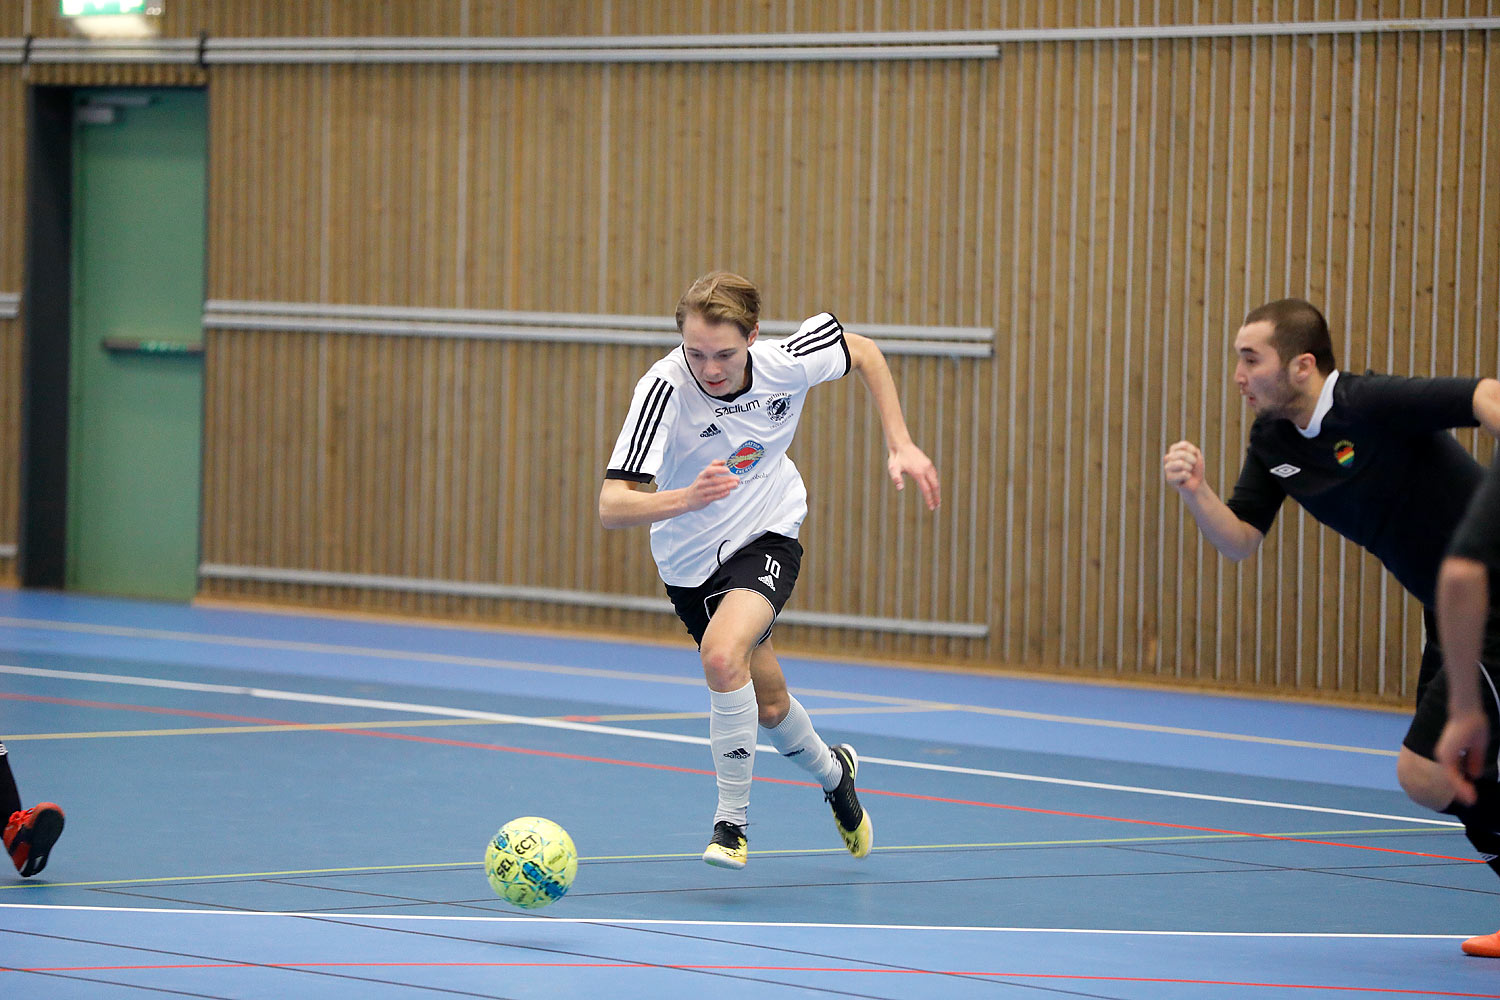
1376	464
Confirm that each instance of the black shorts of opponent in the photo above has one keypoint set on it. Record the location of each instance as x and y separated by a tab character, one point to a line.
1432	715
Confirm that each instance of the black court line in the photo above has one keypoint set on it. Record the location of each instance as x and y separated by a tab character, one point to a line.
781	950
1337	871
315	916
997	981
409	901
610	959
1230	867
114	982
256	965
404	898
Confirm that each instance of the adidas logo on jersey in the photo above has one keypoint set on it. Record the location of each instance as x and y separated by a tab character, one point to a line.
769	581
710	431
1285	471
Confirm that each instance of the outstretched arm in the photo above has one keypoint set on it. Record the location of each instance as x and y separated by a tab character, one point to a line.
903	458
1183	468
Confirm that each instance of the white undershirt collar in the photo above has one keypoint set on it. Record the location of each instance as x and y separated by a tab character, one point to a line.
1325	403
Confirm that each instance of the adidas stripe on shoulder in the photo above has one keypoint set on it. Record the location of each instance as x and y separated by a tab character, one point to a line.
824	335
647	424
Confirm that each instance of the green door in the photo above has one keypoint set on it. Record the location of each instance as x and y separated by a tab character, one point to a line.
135	425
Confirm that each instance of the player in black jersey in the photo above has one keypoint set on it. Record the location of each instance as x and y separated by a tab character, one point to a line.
1370	456
1468	613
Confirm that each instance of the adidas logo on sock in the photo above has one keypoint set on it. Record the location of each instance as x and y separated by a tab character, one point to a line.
738	753
710	431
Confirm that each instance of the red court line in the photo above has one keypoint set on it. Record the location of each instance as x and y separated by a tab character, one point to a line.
1170	826
8	696
559	755
685	967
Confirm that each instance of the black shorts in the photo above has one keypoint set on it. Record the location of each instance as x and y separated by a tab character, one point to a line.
767	565
1432	715
1432	653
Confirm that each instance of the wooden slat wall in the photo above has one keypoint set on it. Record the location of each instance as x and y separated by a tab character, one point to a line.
12	241
1111	208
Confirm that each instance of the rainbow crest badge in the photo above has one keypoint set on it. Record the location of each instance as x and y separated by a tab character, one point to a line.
1344	453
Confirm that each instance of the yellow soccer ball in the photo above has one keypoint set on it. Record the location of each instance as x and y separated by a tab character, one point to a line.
531	862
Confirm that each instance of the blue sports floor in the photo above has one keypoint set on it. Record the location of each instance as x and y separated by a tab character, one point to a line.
276	805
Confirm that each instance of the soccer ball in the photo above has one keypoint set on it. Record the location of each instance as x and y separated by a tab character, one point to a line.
531	862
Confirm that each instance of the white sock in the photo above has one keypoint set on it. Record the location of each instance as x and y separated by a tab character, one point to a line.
795	738
731	736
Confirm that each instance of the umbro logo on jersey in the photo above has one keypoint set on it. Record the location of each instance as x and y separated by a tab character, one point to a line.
710	431
738	753
1285	471
769	581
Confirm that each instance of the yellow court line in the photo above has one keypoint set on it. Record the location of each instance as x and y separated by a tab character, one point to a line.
296	727
910	704
678	716
695	854
1103	841
638	717
1146	727
291	727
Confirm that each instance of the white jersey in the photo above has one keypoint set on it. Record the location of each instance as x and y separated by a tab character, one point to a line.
675	429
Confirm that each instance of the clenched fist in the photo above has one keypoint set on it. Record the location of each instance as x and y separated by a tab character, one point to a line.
1183	466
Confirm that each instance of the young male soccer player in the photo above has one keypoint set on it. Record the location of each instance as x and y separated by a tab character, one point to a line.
1369	456
1468	614
29	833
711	423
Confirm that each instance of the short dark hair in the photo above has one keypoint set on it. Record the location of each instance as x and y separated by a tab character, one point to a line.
1297	328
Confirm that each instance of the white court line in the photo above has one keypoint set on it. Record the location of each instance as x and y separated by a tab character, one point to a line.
330	649
770	924
646	734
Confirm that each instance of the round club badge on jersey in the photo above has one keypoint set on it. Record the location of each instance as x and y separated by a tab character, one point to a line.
746	457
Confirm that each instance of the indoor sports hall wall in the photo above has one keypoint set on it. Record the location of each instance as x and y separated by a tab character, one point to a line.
1055	234
12	226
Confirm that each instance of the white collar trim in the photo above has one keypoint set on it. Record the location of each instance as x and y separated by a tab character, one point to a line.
1325	403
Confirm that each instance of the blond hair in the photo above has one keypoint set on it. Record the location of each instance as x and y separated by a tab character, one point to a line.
721	297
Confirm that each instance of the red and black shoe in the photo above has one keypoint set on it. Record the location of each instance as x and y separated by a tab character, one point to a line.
30	834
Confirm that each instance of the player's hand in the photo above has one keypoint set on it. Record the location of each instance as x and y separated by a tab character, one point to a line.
1183	466
911	461
1461	750
715	482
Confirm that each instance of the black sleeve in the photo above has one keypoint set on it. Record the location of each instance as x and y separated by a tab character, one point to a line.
1257	495
1478	534
634	477
1415	404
